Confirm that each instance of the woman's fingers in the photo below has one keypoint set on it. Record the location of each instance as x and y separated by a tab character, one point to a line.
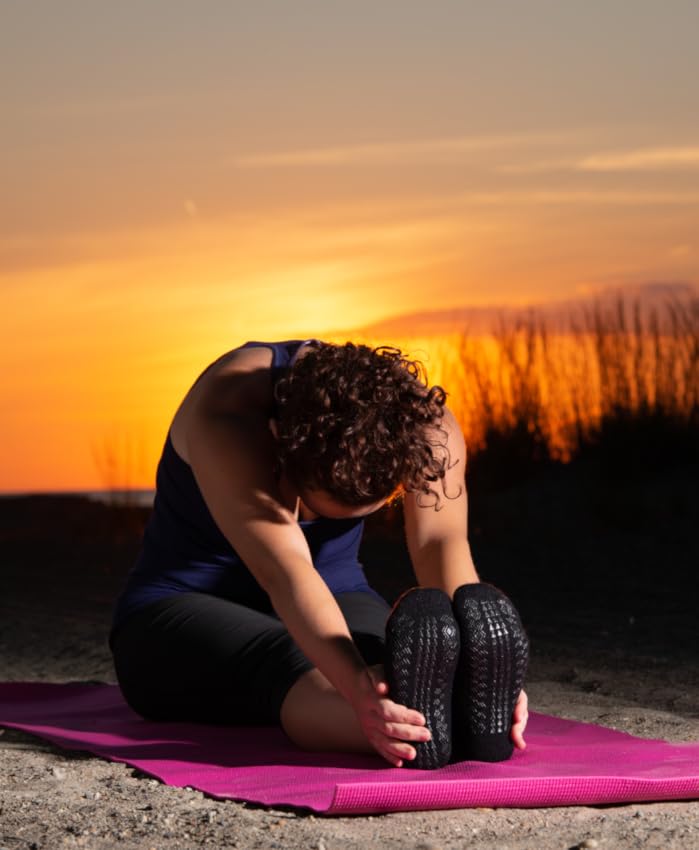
392	712
406	732
399	731
519	721
395	725
399	751
381	688
392	726
390	729
396	752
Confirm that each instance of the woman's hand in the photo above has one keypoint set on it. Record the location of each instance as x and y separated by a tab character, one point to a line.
387	725
519	721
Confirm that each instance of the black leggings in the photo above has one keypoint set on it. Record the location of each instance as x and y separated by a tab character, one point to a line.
192	656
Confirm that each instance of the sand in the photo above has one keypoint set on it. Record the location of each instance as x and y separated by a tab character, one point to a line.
631	667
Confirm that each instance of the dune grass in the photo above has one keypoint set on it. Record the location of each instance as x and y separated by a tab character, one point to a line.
614	386
618	386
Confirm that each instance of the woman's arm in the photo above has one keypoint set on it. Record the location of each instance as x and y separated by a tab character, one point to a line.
231	452
232	458
438	539
438	542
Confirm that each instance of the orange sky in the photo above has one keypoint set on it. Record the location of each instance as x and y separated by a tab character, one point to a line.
176	184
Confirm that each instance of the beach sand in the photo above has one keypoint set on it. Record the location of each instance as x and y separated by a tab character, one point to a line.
607	587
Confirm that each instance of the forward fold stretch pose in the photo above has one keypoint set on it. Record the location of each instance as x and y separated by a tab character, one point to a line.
248	605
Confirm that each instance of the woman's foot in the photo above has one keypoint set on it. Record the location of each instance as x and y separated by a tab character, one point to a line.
492	665
422	653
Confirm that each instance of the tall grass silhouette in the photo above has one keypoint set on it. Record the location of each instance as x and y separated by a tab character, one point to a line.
120	460
619	383
615	383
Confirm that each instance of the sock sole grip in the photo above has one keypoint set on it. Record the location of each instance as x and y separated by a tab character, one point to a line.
422	654
493	662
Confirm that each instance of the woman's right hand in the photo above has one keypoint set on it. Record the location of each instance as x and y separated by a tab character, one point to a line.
387	725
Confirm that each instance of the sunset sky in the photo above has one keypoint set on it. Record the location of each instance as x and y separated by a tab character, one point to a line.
179	177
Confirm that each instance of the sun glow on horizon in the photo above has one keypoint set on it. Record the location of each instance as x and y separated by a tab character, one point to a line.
176	183
106	428
103	349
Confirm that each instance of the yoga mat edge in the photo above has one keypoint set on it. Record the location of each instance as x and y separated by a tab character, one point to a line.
566	762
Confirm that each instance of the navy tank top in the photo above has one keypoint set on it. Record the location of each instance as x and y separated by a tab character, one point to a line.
184	550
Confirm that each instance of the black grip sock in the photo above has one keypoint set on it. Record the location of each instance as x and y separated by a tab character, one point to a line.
492	665
422	652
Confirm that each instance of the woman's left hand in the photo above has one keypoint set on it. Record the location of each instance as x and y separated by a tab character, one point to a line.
519	721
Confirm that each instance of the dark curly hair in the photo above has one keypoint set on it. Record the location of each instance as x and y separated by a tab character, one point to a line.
360	424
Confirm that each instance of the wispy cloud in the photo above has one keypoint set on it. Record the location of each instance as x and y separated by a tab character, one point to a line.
536	167
594	197
375	225
643	159
638	159
453	204
445	150
396	152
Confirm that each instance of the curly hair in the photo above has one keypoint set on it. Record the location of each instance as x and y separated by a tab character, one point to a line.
360	424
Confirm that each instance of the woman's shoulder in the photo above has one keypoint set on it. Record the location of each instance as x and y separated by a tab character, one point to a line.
237	380
255	355
245	358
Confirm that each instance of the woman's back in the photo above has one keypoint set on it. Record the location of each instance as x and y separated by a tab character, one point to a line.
183	548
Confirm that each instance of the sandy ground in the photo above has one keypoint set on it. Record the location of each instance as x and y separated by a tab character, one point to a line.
630	666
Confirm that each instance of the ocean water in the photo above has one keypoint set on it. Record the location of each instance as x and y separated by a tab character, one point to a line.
135	498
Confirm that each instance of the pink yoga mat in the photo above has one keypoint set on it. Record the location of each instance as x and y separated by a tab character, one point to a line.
565	763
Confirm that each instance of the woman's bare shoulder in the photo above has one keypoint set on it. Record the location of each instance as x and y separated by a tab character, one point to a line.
235	381
241	360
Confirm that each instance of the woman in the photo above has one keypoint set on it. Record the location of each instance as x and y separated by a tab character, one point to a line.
248	605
